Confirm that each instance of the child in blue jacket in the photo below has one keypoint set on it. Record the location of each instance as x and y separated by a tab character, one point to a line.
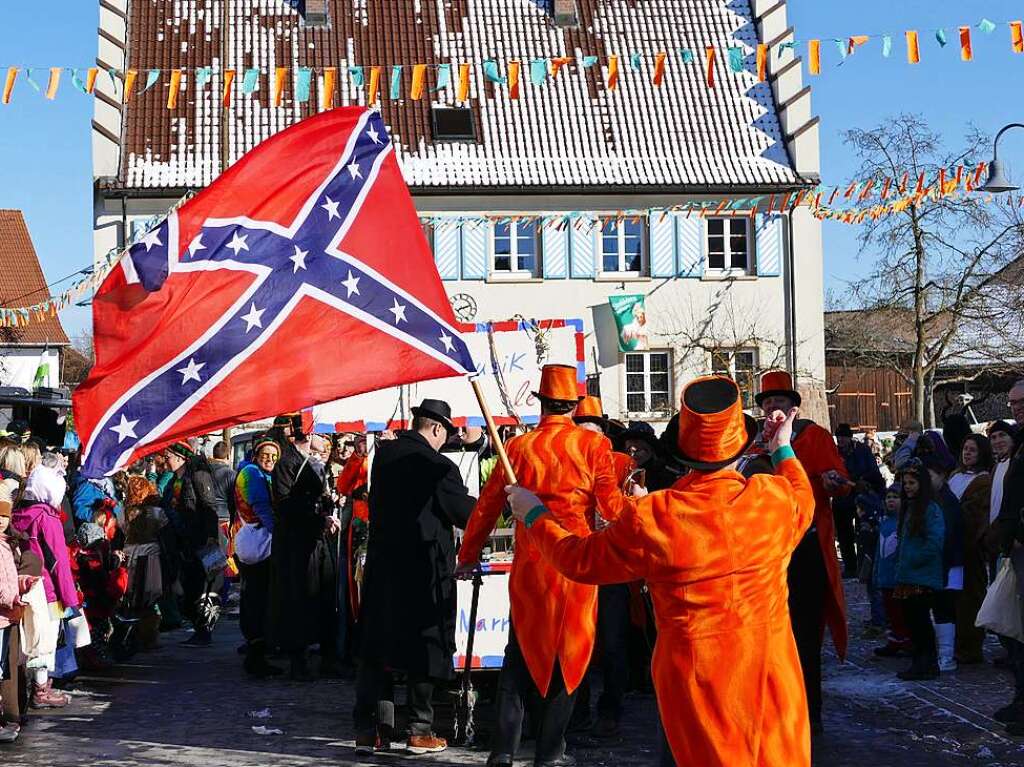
898	643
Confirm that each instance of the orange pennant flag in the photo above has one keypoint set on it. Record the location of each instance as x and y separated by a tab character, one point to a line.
913	49
51	87
172	92
129	84
463	94
557	64
966	52
1017	36
942	181
659	69
513	79
853	42
903	182
613	72
978	172
12	75
959	174
374	88
919	189
866	190
90	79
229	79
832	197
709	56
280	74
762	62
850	189
419	79
814	57
330	78
885	188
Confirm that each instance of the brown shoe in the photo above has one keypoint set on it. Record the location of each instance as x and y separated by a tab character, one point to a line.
44	697
368	744
425	744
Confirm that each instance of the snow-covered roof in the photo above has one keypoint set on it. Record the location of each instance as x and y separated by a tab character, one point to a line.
570	132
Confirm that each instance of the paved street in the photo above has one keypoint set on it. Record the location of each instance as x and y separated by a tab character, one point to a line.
181	706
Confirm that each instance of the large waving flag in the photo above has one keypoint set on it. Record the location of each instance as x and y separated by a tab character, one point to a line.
301	275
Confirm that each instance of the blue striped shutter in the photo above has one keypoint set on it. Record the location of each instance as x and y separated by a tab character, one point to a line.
690	239
584	233
446	249
662	226
555	249
476	237
768	239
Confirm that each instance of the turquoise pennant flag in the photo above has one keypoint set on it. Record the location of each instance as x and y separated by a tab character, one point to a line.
250	80
31	81
151	78
589	61
396	81
735	58
687	55
444	77
112	74
886	46
635	61
940	35
841	47
491	72
76	80
302	83
203	76
357	76
538	71
987	26
783	47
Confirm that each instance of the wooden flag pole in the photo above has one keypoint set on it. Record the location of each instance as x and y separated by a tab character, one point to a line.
493	432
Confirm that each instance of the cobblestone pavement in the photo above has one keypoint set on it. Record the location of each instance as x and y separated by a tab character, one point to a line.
179	706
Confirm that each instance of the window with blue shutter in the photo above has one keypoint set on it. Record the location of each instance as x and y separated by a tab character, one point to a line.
446	249
555	245
662	228
475	236
583	232
690	246
769	245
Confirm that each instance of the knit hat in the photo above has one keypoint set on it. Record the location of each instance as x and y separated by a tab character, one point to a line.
264	442
896	488
1004	426
870	503
181	449
88	534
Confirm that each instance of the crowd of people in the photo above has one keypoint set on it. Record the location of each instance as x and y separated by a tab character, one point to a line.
355	562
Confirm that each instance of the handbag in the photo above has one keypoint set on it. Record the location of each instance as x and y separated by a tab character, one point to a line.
1001	610
213	558
77	630
252	543
64	663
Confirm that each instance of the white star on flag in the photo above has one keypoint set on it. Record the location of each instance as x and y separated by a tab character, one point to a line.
351	284
374	136
191	371
399	311
238	242
253	318
151	239
125	429
332	209
354	170
197	245
447	341
299	259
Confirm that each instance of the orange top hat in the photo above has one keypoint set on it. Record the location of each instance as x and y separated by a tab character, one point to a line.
777	382
589	411
713	429
558	382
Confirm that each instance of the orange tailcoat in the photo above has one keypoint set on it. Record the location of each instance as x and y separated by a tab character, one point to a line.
818	453
714	551
571	470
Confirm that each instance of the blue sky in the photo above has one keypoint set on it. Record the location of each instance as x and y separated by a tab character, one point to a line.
45	163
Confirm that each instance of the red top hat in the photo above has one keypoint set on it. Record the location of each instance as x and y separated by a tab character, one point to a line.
777	382
558	382
713	429
589	411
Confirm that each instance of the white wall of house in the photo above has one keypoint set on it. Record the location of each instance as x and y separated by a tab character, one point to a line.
18	365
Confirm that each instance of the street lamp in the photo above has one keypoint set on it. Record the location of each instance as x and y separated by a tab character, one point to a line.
997	180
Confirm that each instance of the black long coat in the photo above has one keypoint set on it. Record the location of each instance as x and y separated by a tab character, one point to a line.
408	615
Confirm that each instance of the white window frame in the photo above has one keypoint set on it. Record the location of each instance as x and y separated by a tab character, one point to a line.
620	226
730	370
514	247
727	225
647	373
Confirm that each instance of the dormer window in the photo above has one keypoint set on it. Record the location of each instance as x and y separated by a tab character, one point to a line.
453	124
565	13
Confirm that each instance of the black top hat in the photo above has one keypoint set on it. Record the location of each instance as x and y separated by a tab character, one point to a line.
844	430
437	410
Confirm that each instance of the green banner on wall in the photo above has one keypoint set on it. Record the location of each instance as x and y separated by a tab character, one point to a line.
631	321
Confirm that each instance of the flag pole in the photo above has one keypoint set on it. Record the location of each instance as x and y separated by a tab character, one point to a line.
492	431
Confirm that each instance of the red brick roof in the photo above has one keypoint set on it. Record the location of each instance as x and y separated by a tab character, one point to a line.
22	282
571	132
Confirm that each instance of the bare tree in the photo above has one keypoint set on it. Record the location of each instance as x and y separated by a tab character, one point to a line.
936	282
78	359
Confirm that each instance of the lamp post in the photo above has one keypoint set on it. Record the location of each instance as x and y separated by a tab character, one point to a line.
997	180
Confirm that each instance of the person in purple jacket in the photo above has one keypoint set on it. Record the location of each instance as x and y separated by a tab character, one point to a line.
38	517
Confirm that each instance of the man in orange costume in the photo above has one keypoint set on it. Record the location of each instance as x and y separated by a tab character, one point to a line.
551	636
714	550
815	584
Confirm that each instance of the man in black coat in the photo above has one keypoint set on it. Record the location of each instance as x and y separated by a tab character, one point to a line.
417	497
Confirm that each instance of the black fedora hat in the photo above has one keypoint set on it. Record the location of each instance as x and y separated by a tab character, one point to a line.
437	410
